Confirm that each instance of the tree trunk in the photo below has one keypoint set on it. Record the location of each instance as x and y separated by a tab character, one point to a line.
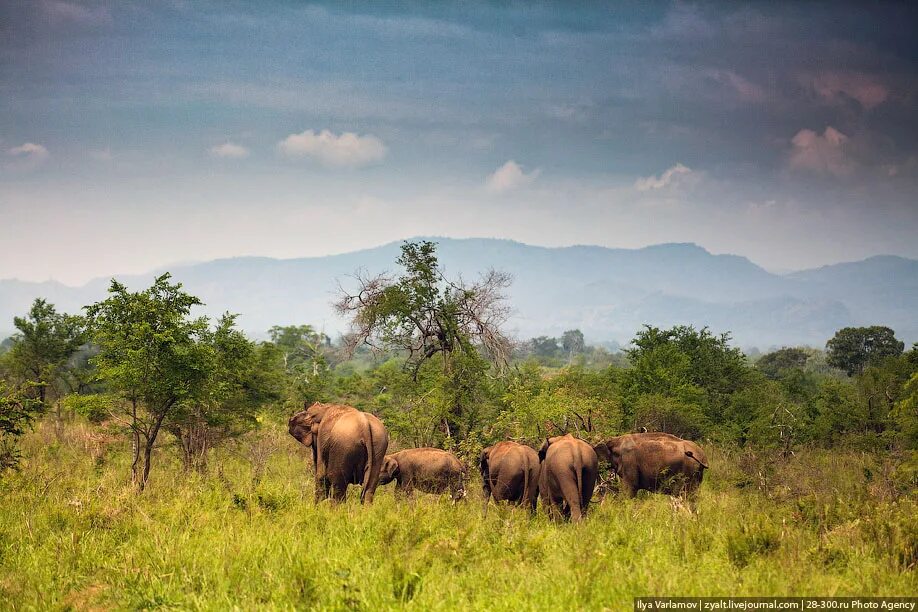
135	443
149	441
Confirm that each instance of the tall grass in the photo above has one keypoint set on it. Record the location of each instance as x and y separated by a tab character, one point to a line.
73	534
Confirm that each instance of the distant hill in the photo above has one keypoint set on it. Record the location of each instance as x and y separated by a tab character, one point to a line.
607	293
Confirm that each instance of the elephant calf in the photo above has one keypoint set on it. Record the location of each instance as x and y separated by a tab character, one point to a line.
428	469
656	462
348	447
569	467
510	472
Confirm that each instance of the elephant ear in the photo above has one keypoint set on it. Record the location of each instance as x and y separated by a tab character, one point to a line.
544	450
602	451
389	470
308	438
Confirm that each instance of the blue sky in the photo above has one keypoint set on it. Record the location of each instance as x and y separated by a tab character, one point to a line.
138	134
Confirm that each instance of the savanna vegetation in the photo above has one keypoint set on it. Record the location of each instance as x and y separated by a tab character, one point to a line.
146	464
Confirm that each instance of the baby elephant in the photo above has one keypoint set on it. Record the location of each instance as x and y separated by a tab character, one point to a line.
656	462
429	469
567	476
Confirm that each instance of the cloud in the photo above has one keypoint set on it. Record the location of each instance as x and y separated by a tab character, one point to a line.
820	154
27	156
650	183
835	87
229	150
347	150
508	177
744	89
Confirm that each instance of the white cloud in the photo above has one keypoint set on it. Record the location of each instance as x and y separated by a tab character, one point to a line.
229	150
347	150
650	183
27	156
508	177
820	154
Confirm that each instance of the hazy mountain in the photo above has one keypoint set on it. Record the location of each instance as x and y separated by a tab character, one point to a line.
608	293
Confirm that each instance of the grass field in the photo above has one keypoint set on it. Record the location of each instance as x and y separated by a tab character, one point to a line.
73	534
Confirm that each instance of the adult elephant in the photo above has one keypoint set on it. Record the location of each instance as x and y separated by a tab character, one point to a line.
348	447
567	476
656	462
427	469
510	472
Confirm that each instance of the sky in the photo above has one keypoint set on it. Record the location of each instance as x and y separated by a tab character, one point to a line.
134	135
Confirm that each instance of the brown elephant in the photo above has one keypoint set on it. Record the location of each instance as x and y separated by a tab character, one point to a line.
510	472
569	467
656	462
348	447
428	469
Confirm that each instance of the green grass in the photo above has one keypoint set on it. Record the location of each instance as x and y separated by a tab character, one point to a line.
73	534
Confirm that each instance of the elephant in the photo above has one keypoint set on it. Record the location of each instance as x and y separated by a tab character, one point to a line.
428	469
510	472
348	447
569	467
655	462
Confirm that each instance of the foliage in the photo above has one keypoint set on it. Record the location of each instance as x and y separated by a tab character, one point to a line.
852	349
41	351
150	355
575	400
17	411
695	367
777	363
225	402
424	314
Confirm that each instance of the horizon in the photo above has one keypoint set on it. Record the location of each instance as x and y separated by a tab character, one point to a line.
167	267
151	134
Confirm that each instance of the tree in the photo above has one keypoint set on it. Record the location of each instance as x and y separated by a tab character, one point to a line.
775	364
17	410
854	348
573	343
543	346
422	314
225	402
151	355
693	366
301	344
41	351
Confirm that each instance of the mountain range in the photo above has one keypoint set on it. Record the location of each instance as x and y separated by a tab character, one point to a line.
607	293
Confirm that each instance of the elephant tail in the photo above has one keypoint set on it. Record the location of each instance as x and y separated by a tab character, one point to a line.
526	483
691	455
371	455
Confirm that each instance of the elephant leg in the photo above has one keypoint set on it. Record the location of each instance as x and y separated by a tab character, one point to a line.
571	496
589	484
340	490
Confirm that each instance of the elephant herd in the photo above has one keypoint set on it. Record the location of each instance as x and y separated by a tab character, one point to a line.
349	447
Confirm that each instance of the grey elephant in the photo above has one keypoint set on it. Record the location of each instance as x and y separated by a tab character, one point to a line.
431	470
348	447
568	471
656	462
510	472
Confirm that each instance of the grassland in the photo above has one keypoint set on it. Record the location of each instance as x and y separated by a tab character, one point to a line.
74	535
